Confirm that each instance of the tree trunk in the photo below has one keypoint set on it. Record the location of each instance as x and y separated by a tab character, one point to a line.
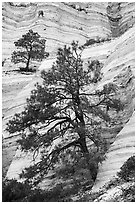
91	166
81	132
27	64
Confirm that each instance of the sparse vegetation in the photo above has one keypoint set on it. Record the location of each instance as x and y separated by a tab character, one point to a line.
77	7
96	40
11	3
17	4
3	62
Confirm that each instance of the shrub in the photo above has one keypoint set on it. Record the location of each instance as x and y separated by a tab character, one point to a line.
127	171
39	195
96	67
73	6
73	165
96	40
22	69
3	62
13	190
60	192
90	42
22	5
11	3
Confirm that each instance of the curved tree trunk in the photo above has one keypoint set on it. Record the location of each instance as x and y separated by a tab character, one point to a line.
27	64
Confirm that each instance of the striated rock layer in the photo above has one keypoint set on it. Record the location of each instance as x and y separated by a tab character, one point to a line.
122	148
61	24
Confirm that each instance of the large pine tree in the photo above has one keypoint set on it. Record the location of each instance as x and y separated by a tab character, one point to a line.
61	114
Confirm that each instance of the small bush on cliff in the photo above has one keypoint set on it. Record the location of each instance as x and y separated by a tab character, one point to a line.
60	114
29	47
96	40
127	171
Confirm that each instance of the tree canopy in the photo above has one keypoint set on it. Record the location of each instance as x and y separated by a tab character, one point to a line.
30	47
61	114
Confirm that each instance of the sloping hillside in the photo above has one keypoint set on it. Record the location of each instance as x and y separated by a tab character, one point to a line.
62	23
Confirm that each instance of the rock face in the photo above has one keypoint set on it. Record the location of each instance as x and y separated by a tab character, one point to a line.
60	24
121	17
122	148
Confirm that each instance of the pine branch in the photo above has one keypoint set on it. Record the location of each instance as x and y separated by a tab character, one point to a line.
46	163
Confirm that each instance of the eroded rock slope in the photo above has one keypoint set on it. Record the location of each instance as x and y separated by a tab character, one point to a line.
61	24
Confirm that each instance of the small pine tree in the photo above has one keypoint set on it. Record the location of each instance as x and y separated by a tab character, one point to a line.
29	47
60	114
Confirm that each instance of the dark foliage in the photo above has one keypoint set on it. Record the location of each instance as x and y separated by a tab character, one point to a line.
11	3
3	62
30	47
13	191
96	40
127	171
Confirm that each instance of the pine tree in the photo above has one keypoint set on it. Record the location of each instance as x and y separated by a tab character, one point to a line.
61	114
29	47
